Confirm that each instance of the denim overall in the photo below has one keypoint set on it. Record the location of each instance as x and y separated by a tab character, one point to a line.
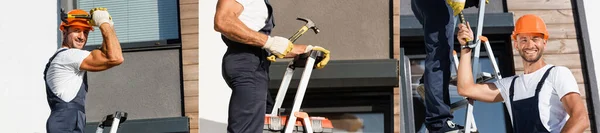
525	112
245	68
438	23
66	117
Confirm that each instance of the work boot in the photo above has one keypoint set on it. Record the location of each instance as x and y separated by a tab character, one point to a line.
451	127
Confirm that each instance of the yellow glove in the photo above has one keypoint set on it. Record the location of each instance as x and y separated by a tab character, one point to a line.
326	56
456	5
278	46
100	15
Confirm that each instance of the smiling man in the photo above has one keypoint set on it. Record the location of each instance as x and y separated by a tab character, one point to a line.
65	73
545	98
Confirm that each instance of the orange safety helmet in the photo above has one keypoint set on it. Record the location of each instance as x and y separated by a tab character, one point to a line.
81	22
530	23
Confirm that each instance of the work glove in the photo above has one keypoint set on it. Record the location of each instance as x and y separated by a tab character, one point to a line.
326	55
459	5
278	46
99	16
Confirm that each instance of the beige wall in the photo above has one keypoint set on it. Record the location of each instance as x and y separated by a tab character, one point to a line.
351	29
189	39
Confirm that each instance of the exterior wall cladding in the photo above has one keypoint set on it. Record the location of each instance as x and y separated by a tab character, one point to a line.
189	42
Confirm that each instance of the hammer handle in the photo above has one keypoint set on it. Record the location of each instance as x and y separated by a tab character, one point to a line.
79	16
298	34
462	20
292	39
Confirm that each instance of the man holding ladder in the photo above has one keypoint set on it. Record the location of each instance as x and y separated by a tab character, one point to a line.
543	99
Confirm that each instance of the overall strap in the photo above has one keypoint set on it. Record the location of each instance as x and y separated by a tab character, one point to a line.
512	88
541	83
270	22
50	61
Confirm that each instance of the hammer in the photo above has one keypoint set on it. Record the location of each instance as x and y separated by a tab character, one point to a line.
309	25
64	16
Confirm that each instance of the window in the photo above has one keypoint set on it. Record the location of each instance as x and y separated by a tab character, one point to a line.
348	106
138	23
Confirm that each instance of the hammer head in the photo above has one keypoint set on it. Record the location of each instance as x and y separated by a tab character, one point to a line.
310	24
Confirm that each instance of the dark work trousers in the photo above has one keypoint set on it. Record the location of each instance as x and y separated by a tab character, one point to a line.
526	112
66	117
245	68
438	23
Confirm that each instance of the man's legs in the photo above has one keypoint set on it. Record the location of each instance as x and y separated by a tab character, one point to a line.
270	103
65	121
438	27
248	82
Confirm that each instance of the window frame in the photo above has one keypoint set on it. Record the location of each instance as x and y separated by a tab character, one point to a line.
132	46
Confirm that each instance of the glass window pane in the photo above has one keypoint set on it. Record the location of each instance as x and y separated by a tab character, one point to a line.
137	20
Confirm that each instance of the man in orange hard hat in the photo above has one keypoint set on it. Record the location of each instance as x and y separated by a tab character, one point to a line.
65	72
545	98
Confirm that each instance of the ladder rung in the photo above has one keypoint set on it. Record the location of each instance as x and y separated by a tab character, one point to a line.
481	78
457	105
453	106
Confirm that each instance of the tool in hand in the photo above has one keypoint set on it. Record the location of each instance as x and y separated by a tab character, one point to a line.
64	16
462	20
309	25
470	43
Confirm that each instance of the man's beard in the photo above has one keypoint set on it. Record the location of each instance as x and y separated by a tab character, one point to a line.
537	57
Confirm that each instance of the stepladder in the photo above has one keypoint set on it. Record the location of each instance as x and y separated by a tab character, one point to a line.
113	121
294	120
479	76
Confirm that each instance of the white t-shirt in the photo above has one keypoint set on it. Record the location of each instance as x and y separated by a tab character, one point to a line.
255	13
560	81
64	77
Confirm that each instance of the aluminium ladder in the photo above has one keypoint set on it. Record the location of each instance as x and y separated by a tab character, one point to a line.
297	121
479	77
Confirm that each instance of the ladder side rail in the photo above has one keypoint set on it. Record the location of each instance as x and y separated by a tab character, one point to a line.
300	92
